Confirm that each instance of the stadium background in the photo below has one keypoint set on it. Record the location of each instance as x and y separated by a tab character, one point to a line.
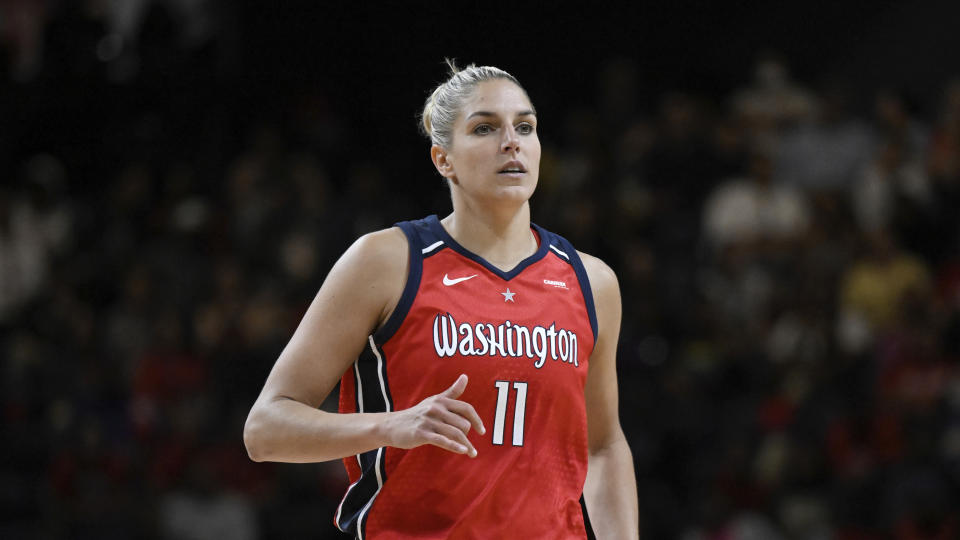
776	185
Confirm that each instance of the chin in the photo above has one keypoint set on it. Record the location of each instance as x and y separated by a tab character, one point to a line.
519	193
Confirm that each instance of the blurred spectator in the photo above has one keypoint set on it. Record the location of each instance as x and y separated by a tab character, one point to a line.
201	510
773	101
874	287
826	152
893	190
896	120
29	235
754	210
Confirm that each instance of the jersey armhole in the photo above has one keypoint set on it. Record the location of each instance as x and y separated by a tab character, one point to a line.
587	292
414	272
585	288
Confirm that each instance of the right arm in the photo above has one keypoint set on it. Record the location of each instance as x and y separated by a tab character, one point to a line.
361	291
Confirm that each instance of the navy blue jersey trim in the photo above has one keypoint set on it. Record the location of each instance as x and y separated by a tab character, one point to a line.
364	514
574	260
371	369
382	374
414	273
352	516
373	395
434	223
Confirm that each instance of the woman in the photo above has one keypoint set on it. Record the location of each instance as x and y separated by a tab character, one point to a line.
474	351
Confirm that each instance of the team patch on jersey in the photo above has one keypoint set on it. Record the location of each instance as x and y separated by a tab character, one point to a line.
507	340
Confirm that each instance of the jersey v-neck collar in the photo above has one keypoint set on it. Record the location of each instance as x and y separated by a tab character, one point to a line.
434	223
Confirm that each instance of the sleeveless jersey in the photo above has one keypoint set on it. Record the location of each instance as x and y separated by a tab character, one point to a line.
524	339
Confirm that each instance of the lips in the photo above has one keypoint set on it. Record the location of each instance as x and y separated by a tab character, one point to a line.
513	167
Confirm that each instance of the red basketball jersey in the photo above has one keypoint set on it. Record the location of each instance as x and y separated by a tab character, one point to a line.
524	339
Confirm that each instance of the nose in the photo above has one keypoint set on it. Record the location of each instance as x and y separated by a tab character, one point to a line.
510	142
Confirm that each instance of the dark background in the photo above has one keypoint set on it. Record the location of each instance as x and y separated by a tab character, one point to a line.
177	177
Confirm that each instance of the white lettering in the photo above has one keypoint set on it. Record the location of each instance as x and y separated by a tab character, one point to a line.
449	346
552	334
540	345
483	340
466	343
523	341
573	348
496	339
508	340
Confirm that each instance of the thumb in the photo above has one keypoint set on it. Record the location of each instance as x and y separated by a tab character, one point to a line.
458	387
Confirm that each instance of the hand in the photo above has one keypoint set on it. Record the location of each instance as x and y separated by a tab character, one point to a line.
441	420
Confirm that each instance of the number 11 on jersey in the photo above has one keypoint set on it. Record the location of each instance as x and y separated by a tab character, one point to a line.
503	392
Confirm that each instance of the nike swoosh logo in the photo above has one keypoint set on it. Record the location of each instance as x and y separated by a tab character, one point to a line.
448	282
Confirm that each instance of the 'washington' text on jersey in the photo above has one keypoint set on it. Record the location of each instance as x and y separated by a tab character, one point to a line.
506	339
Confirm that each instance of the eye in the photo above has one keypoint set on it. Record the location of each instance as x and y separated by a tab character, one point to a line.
525	128
483	129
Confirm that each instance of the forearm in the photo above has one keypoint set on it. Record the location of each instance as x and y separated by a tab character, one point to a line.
290	431
611	492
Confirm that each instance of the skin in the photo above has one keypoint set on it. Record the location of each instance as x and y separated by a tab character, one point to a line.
496	130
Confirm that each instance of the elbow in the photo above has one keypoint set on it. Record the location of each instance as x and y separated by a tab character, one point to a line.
616	441
253	437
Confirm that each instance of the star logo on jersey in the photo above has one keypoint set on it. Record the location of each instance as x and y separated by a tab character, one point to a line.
508	296
448	282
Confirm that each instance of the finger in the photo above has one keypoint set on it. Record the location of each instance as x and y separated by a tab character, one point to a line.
454	419
467	411
458	387
444	443
455	435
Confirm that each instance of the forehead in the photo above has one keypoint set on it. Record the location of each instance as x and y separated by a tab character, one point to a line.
498	96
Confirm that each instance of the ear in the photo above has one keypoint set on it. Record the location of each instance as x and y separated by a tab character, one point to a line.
441	160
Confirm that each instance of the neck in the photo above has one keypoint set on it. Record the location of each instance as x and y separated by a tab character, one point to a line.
502	238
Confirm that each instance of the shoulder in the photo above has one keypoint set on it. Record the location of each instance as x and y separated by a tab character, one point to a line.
606	294
378	251
371	274
603	280
383	246
375	259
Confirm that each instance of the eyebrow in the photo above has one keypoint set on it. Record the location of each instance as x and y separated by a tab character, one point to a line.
527	112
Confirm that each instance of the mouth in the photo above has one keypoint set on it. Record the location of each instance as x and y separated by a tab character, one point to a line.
513	167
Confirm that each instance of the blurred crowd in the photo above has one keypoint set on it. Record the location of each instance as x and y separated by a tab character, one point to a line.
788	254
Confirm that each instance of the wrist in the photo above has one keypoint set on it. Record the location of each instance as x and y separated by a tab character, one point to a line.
381	428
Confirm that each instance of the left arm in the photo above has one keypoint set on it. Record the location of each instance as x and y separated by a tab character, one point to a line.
610	491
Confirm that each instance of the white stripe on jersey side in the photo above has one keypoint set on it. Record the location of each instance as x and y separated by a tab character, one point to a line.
378	464
383	386
565	256
340	506
431	247
356	376
366	507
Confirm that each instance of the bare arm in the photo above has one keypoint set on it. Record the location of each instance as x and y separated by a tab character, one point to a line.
610	491
358	295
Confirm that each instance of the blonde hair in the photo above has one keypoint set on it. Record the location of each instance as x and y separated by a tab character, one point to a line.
443	106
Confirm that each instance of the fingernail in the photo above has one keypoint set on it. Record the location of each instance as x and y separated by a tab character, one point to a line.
473	453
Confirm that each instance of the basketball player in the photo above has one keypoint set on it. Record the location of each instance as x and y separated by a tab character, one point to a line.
476	352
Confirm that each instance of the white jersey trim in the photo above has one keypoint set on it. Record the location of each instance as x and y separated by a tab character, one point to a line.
383	385
366	507
564	255
431	247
